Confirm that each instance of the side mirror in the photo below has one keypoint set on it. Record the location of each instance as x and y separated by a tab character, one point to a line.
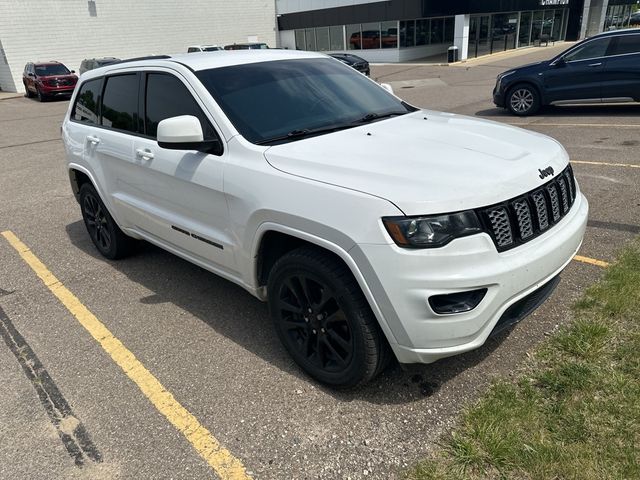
73	71
31	74
387	87
560	62
185	133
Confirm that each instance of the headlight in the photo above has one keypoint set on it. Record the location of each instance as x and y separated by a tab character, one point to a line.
431	231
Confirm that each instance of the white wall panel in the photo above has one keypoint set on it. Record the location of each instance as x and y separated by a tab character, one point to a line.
72	30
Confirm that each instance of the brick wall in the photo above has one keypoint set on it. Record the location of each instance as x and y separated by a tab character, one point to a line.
72	30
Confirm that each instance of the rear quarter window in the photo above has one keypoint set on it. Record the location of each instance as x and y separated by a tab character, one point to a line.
87	102
626	44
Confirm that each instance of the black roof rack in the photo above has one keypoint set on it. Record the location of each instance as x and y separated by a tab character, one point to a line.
150	57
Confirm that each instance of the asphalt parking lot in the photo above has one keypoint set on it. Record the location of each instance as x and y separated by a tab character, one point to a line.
227	394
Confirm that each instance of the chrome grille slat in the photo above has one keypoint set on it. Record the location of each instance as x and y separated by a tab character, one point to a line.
521	219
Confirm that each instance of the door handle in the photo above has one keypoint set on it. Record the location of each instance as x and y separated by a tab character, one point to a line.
92	139
595	64
145	153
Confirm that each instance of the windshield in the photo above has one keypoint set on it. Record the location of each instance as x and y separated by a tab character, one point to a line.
211	49
269	100
54	69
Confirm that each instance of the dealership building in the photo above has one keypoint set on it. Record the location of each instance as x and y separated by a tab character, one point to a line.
377	30
404	30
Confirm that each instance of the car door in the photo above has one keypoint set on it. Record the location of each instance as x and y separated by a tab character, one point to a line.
30	77
578	75
621	79
179	194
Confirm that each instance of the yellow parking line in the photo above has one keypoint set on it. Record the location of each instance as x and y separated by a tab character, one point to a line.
591	261
219	458
606	164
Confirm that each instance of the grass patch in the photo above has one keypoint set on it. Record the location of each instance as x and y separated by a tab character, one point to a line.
576	414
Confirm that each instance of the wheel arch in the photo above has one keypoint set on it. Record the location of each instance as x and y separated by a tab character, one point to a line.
285	239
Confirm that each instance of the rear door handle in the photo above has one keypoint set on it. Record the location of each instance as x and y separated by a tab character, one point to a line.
145	153
92	139
595	64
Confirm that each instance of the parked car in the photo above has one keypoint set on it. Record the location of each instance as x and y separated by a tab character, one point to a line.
91	63
370	226
634	19
203	48
246	46
48	79
602	68
360	64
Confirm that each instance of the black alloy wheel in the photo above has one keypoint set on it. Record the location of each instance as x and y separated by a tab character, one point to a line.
523	100
323	319
110	241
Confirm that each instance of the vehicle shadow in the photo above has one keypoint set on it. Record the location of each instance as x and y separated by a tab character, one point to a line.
619	110
200	293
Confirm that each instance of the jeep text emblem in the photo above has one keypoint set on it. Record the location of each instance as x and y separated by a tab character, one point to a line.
546	172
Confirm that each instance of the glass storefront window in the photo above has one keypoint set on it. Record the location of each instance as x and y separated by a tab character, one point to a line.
354	41
525	29
449	28
336	40
370	35
389	32
536	27
556	31
437	30
407	33
547	24
422	31
310	39
300	45
322	39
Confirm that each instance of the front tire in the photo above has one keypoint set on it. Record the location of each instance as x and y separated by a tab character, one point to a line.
523	100
27	93
105	234
40	95
323	319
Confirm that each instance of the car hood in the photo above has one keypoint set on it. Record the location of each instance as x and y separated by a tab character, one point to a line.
426	162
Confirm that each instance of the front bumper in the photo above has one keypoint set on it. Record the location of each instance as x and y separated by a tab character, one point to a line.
57	91
406	278
499	97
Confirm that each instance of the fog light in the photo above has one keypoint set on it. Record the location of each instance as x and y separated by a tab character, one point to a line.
457	302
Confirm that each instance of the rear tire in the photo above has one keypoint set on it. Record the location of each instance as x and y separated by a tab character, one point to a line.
323	319
523	100
105	234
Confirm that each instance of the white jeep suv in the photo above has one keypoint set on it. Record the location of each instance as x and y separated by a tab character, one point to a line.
370	226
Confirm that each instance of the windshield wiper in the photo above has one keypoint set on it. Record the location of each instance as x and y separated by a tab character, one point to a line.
371	117
306	132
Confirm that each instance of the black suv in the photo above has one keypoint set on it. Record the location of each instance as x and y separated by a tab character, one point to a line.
354	61
602	68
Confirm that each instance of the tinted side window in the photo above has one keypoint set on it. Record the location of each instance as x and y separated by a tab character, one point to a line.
86	107
120	102
168	97
627	44
593	49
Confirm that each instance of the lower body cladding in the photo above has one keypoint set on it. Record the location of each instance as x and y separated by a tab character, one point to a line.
496	289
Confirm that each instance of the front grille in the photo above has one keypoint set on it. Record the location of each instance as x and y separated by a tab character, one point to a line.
523	218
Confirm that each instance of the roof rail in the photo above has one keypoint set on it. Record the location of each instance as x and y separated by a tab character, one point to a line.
150	57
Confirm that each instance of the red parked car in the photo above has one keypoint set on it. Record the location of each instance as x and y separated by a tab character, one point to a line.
48	79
